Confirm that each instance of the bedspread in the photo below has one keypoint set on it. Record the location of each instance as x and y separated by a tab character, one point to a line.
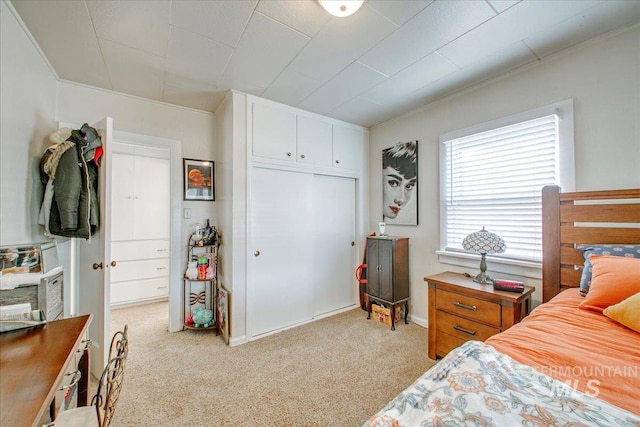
475	385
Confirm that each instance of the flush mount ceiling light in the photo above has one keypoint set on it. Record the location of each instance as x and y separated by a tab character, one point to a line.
341	8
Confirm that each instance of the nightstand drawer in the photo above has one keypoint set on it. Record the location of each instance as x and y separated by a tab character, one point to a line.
446	343
463	328
469	307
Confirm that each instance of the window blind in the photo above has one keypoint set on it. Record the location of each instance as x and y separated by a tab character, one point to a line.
493	179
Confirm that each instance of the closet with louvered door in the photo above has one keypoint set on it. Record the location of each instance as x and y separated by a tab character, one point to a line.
140	224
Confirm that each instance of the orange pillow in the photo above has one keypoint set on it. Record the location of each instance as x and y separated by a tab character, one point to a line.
613	279
626	312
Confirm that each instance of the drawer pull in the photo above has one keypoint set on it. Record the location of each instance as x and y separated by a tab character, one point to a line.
161	268
466	331
161	250
466	307
76	379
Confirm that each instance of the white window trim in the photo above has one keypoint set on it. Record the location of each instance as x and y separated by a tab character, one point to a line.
566	173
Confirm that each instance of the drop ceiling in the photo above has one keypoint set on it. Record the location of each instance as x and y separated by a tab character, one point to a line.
387	59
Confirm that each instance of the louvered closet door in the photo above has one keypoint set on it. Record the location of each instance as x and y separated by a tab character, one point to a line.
280	223
334	229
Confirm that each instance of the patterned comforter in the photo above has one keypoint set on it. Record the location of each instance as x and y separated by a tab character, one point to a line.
475	385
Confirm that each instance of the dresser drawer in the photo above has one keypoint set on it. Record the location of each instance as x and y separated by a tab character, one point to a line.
139	249
446	343
137	270
463	328
469	307
139	290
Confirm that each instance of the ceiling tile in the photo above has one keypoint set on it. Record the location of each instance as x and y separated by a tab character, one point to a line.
399	12
196	57
351	82
64	32
502	5
266	47
515	55
132	71
340	42
435	26
143	25
308	17
291	87
222	21
516	23
592	23
362	112
198	96
420	74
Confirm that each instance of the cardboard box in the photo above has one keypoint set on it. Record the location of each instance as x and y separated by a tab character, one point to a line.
383	314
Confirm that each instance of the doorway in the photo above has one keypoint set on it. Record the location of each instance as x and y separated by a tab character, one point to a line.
146	223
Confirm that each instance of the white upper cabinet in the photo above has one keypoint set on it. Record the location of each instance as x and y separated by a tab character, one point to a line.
314	141
282	133
347	147
274	132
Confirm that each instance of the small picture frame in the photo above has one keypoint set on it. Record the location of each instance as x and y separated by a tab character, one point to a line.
222	313
199	179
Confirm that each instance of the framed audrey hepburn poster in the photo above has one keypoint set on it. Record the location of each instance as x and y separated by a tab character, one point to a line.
399	184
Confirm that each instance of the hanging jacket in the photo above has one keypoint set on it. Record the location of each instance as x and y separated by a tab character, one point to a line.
74	208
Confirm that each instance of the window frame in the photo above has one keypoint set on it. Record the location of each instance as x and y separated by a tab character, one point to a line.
565	168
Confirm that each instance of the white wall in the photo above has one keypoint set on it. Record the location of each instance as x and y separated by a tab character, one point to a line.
195	129
603	78
27	115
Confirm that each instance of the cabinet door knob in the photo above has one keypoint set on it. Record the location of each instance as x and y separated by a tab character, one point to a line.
113	263
288	153
302	156
256	253
337	161
353	243
97	266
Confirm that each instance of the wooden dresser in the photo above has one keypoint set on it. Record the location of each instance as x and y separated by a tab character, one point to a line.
461	310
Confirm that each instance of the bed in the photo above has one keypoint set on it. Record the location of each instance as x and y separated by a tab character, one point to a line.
563	364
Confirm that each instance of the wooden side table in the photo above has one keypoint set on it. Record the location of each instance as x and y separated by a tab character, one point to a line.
461	310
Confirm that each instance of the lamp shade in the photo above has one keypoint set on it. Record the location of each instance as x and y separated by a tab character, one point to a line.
341	8
484	242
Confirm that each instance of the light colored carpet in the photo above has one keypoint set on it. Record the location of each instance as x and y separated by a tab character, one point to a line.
336	371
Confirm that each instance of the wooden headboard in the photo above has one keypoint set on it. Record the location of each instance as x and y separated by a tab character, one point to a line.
589	217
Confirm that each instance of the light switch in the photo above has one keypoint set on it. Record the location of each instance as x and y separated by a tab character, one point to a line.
187	213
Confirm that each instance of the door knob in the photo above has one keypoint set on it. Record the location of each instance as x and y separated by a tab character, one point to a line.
113	263
97	266
256	253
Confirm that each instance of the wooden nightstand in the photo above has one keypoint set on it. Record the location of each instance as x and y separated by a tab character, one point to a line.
461	310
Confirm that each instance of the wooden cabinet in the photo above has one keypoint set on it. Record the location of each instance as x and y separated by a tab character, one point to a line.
314	140
141	273
387	260
287	134
273	132
347	147
302	251
461	310
140	215
293	224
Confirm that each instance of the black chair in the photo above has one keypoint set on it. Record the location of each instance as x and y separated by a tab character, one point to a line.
103	404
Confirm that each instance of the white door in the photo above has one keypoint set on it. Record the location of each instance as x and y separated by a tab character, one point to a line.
280	223
94	256
334	243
